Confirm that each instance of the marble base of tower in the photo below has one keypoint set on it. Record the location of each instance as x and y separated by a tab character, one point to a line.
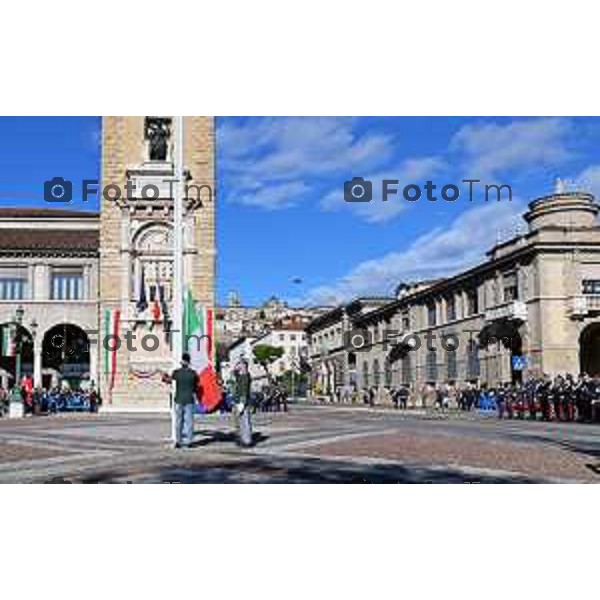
138	384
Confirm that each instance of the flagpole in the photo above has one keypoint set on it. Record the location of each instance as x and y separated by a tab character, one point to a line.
176	338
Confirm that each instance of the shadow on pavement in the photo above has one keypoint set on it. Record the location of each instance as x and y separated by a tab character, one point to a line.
227	437
267	469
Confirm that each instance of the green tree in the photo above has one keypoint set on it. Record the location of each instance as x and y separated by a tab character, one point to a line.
265	354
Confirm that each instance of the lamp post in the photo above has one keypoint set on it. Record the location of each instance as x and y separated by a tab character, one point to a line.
16	397
16	408
19	313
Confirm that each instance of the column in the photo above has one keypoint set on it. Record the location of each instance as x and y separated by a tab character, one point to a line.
94	364
37	362
85	292
30	293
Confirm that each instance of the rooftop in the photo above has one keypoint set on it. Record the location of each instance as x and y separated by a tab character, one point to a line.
49	239
45	213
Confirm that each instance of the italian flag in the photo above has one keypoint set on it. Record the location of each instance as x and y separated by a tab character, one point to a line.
198	322
112	318
8	347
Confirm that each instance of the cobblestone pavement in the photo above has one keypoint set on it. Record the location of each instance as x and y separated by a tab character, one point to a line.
310	444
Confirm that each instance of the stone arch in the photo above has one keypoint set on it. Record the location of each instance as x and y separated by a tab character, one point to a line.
67	355
154	238
13	334
589	349
152	261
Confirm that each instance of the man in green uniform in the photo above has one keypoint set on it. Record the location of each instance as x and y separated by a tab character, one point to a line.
186	392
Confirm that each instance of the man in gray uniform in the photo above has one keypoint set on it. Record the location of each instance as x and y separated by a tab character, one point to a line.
242	387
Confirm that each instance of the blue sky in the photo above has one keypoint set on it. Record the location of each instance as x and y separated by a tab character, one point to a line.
281	213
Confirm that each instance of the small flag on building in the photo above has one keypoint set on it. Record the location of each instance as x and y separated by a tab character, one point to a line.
142	302
112	318
8	346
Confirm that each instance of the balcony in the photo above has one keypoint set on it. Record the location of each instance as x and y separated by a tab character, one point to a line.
584	306
509	311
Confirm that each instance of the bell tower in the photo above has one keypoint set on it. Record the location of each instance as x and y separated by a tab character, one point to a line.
136	249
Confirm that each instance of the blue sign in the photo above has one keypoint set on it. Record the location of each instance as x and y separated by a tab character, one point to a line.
519	363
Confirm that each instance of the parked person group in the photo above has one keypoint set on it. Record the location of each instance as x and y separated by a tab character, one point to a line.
271	398
42	401
562	398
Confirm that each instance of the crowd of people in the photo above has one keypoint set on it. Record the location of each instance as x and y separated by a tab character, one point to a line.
42	401
562	398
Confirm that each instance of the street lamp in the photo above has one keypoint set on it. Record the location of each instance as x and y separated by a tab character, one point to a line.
16	397
19	314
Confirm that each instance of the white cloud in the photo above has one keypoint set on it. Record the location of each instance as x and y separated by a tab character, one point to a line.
489	149
438	253
589	180
274	197
414	170
263	158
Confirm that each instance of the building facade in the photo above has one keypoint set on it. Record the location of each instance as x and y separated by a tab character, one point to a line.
74	278
532	307
49	273
235	320
288	334
331	354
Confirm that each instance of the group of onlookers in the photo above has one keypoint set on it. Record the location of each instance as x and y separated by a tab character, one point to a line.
41	401
562	398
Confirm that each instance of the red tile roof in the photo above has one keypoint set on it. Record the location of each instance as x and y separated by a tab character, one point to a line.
49	239
45	213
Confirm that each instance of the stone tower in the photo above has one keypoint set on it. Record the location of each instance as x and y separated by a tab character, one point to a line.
136	245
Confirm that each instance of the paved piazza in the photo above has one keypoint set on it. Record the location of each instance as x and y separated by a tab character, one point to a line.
310	444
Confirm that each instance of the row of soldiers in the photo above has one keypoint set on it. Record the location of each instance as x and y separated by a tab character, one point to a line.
561	399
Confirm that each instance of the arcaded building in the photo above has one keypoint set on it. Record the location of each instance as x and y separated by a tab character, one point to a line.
71	278
49	281
532	307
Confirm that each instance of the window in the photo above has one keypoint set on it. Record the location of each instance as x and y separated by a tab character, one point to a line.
431	366
431	315
376	373
388	374
406	366
450	308
281	337
472	302
67	285
510	286
12	288
405	321
366	374
452	365
591	286
293	337
473	365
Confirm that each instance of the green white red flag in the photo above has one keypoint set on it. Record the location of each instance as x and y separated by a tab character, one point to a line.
198	342
8	346
112	318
